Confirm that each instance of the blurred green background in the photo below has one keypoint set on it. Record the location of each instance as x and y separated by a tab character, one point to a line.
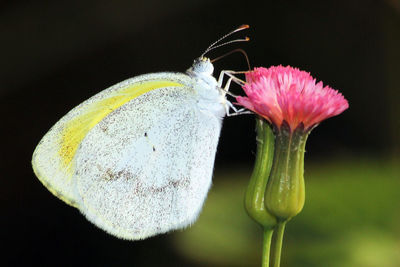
351	219
56	54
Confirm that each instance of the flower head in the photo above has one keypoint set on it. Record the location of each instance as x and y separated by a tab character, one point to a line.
288	94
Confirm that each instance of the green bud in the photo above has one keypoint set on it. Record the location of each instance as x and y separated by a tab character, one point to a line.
285	193
254	197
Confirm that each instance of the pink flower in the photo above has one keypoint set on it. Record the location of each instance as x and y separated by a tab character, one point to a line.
288	94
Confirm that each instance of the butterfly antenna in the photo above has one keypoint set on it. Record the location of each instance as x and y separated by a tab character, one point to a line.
216	43
231	52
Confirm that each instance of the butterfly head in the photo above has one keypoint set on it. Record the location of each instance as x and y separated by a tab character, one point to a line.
201	65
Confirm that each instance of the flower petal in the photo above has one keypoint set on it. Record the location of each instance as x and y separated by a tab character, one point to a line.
288	94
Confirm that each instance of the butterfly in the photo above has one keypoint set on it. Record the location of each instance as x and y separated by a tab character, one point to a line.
137	158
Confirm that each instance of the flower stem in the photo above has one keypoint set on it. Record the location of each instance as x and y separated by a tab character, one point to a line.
278	244
266	246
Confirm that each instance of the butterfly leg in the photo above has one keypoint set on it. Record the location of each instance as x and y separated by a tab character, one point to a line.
230	74
221	77
236	112
229	104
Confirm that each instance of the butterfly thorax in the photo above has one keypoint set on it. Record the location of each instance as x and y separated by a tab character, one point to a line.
211	98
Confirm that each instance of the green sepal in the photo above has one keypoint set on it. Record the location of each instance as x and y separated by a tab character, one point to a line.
285	193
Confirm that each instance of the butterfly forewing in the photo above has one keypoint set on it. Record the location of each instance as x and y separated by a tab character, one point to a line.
52	159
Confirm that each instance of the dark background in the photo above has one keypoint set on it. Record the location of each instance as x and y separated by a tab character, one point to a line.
55	54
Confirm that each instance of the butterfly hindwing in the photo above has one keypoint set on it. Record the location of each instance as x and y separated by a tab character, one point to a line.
146	168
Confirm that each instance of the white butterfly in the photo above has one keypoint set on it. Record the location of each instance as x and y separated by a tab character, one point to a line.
137	158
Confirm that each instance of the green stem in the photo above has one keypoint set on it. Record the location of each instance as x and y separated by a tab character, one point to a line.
278	244
266	247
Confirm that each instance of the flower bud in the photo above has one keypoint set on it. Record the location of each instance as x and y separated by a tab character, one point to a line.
254	197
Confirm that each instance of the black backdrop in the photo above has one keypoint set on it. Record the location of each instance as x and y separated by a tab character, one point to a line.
55	54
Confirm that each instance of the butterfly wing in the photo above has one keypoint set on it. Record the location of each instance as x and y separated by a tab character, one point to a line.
52	159
145	167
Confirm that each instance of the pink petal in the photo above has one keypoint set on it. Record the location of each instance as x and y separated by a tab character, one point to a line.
288	94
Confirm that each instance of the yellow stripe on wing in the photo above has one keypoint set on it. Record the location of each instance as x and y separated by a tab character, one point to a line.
76	129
